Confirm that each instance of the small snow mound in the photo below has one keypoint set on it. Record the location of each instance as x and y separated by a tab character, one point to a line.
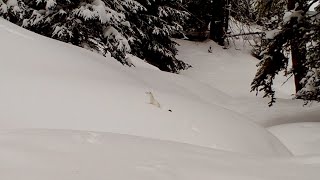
300	138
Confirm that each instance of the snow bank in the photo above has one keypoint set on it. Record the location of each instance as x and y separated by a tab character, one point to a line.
303	115
300	138
231	71
49	84
80	155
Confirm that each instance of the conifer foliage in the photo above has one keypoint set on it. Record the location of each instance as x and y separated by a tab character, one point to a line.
201	11
298	32
153	28
117	27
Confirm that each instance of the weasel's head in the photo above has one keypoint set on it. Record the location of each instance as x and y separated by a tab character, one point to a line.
148	92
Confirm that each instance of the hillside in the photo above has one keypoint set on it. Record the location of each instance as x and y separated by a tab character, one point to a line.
67	113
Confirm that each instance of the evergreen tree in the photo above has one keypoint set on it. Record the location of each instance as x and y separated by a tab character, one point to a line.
12	10
154	29
298	32
269	13
117	27
201	12
243	10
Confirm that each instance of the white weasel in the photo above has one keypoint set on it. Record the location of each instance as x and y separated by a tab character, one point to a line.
153	101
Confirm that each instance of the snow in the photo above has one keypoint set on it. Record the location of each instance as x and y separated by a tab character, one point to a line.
76	89
272	33
57	154
98	10
314	6
60	30
12	3
51	4
4	8
292	14
231	72
112	33
139	63
37	16
68	113
300	138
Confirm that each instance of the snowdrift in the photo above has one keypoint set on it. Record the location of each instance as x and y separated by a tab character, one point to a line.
67	113
53	85
77	155
301	138
232	71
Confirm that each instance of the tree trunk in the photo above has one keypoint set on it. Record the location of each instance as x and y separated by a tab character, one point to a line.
227	15
297	56
291	4
217	22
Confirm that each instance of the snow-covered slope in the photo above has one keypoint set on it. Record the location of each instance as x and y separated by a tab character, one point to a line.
49	84
203	129
231	71
76	155
300	138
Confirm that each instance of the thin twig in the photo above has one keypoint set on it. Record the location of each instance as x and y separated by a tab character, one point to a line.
244	34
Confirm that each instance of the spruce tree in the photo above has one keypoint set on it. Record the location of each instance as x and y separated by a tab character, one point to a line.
117	27
154	29
298	32
200	15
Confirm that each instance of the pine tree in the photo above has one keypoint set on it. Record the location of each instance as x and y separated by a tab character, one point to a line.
154	29
205	12
243	10
117	27
269	13
12	10
297	32
201	12
93	24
